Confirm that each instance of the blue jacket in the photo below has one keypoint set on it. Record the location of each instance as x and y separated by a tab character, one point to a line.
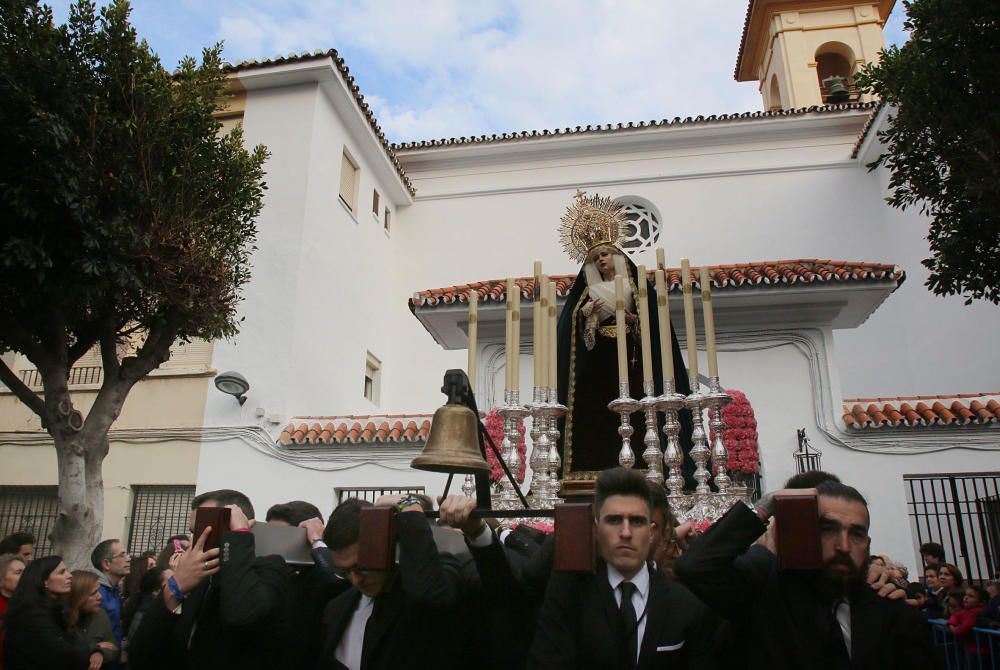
111	602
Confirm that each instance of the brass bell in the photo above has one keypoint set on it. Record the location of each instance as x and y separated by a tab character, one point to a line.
836	89
453	443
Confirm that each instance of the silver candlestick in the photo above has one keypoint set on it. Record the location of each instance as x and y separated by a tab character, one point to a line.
652	455
670	403
716	399
624	405
512	412
699	452
469	486
554	411
539	461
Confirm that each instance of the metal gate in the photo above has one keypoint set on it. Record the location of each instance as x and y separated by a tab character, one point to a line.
33	509
962	513
157	513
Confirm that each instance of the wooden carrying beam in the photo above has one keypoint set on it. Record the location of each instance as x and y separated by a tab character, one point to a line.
797	531
574	523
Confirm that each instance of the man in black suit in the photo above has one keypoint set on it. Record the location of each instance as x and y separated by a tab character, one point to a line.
626	615
221	607
787	619
400	618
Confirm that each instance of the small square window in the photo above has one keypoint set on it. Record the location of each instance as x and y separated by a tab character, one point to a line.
386	219
373	377
375	203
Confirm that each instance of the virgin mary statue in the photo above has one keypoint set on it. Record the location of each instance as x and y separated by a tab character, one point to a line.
592	233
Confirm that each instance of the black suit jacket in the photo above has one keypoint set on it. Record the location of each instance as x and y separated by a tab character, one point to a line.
413	622
580	626
778	619
231	620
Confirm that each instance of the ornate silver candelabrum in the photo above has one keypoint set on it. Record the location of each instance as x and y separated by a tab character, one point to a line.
554	411
652	454
673	457
512	412
539	461
624	405
699	451
715	400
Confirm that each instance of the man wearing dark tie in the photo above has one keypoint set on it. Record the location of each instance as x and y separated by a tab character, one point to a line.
625	615
827	619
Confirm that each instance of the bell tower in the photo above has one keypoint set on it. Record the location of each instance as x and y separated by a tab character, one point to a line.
806	52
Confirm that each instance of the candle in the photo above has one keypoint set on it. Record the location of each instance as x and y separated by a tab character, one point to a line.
647	347
689	327
537	317
515	354
551	351
663	313
620	324
473	332
541	331
661	262
706	306
509	328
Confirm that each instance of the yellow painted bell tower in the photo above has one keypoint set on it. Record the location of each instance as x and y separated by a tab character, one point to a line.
806	52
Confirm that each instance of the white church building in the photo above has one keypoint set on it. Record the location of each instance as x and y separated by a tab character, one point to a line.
368	251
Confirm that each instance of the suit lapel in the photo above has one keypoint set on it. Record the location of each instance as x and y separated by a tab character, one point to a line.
340	618
605	597
657	618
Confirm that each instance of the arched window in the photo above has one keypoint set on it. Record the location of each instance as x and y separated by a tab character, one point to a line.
643	229
835	60
774	95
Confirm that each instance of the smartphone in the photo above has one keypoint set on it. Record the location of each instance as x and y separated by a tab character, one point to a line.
217	518
178	547
797	531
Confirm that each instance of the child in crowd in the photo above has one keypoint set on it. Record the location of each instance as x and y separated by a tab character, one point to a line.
962	621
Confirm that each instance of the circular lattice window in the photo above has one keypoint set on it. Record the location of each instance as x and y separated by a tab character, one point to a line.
642	229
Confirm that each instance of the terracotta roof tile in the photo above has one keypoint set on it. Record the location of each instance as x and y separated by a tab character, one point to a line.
724	277
631	126
975	409
351	84
361	429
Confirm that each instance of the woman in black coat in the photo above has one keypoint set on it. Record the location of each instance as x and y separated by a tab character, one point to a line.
38	635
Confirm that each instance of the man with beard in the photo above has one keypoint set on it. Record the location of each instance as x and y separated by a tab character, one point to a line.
826	618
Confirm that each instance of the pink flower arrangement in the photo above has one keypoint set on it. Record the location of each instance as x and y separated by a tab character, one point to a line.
700	527
740	435
494	426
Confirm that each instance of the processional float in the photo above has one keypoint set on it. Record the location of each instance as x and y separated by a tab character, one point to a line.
458	440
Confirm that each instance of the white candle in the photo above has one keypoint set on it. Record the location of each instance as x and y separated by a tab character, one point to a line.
515	354
647	347
663	312
620	324
706	306
661	259
541	331
473	333
551	352
537	319
509	329
689	327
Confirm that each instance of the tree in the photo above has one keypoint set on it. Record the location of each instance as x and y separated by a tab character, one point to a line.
125	216
943	137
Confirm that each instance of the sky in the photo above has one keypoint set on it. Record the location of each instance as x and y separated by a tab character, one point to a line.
451	68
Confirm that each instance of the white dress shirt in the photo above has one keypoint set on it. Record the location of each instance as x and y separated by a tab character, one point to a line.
353	639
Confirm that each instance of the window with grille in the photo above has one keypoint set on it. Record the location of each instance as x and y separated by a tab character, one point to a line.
31	509
372	493
157	513
349	181
642	226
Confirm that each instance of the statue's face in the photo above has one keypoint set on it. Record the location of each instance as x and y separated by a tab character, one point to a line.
604	259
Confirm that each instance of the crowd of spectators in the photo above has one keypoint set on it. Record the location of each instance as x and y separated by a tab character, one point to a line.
465	593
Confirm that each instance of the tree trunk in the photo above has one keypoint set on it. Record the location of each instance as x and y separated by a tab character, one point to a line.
81	503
